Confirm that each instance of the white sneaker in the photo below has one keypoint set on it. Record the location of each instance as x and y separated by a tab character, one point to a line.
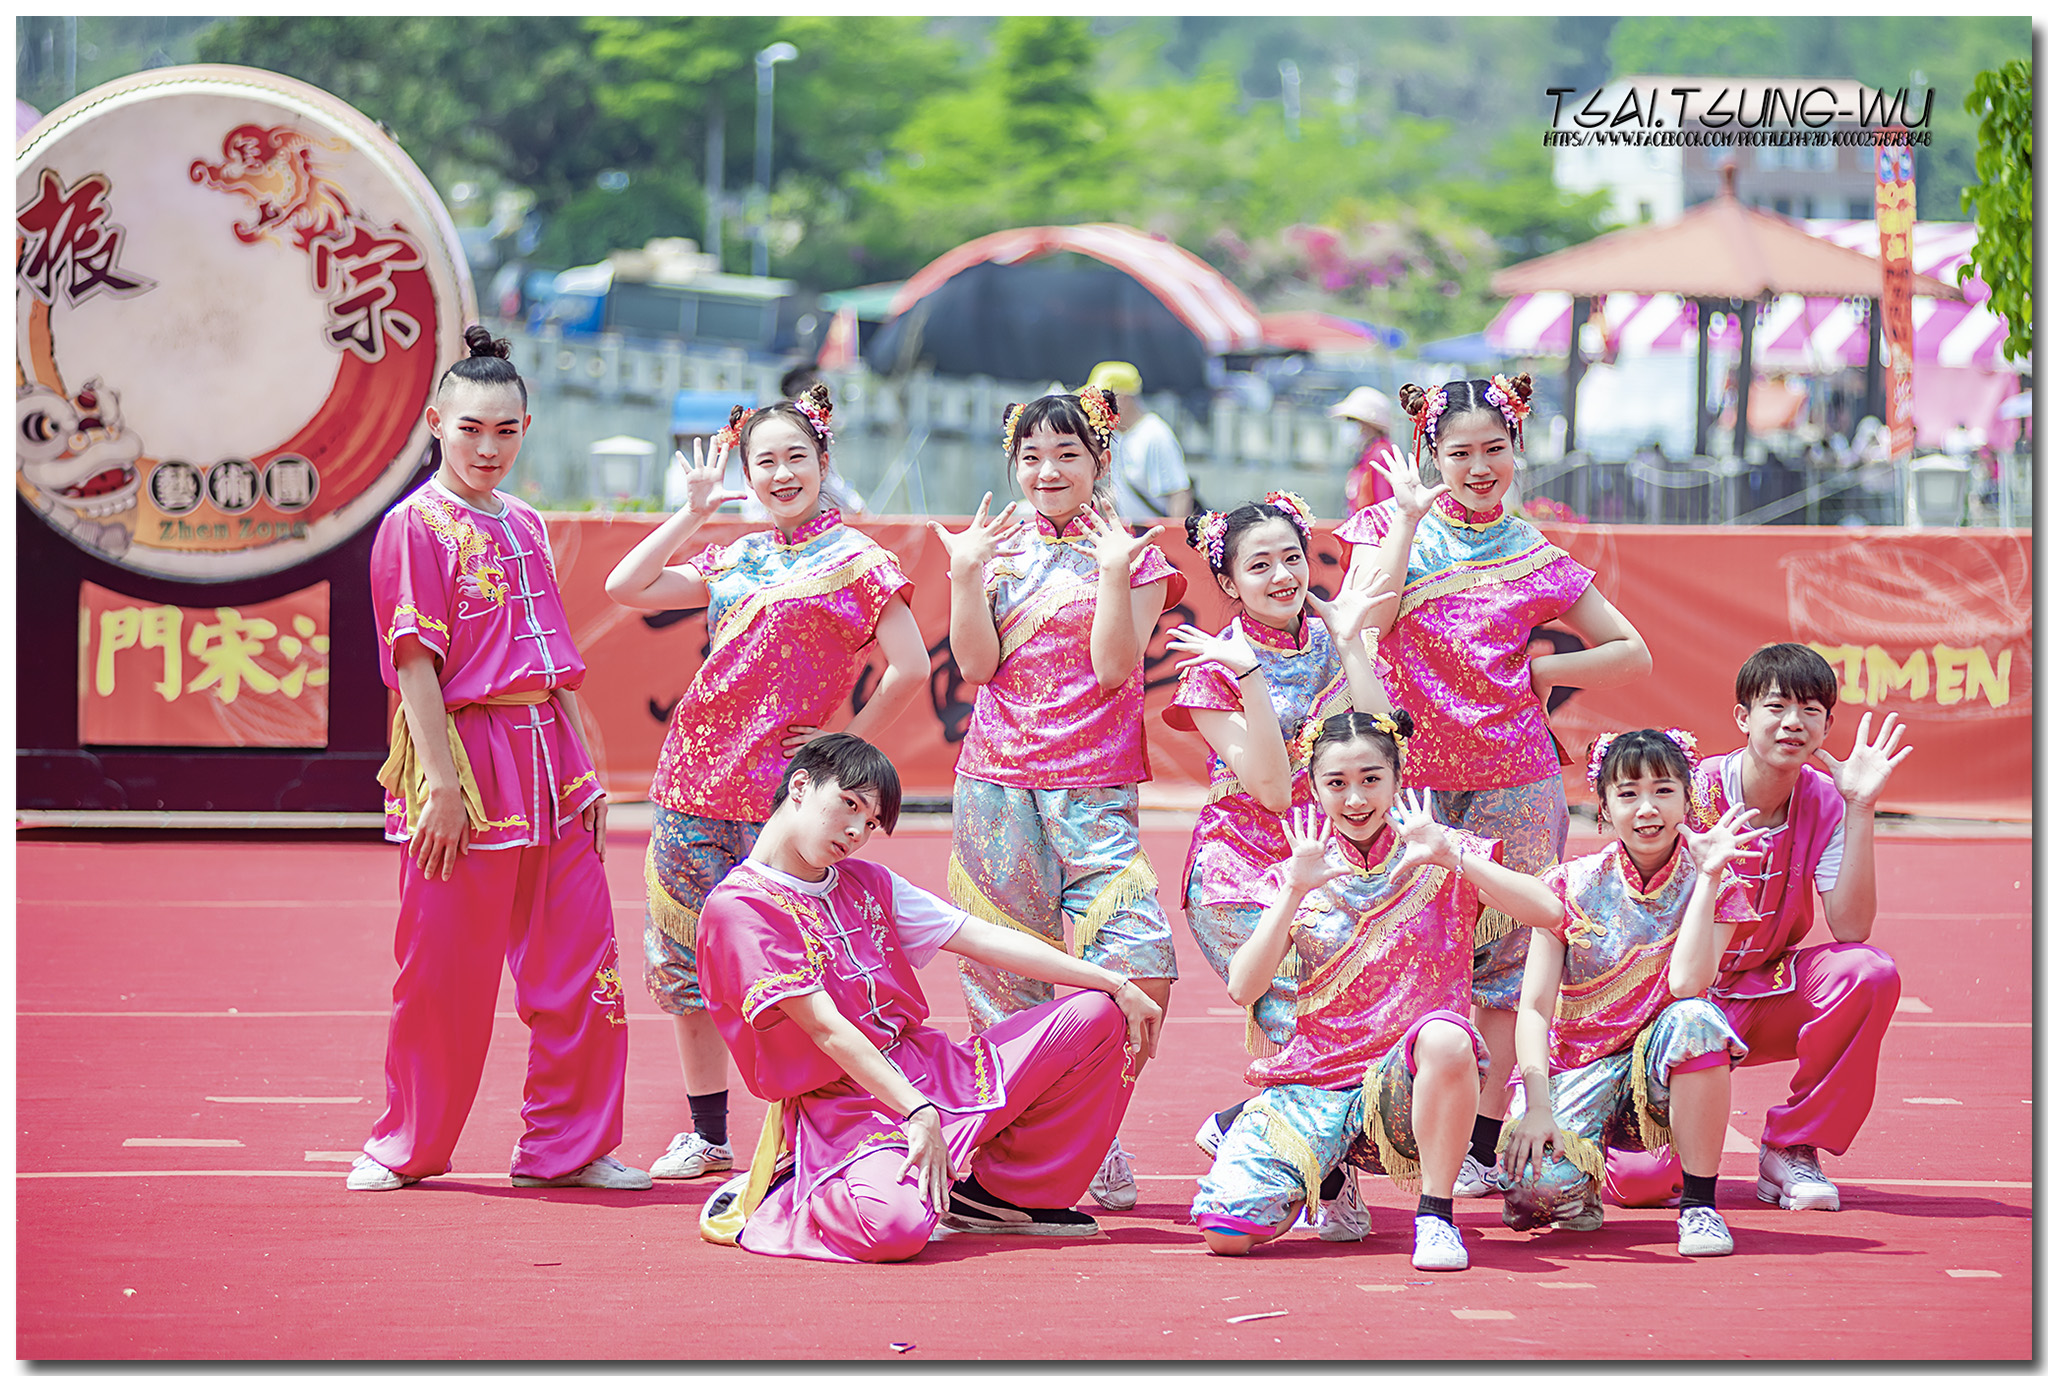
1791	1178
689	1156
1474	1180
1209	1137
605	1173
366	1174
1114	1187
1345	1218
1703	1233
1439	1246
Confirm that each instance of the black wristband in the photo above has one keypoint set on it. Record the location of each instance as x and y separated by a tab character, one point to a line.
1249	672
927	1104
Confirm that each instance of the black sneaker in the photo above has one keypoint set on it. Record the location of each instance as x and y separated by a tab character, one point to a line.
972	1209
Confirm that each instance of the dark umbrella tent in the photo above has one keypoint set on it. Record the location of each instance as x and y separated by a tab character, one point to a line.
1052	302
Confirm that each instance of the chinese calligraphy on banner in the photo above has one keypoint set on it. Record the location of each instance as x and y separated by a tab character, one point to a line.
152	674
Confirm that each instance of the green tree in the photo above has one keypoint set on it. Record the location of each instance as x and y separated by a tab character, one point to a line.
2003	202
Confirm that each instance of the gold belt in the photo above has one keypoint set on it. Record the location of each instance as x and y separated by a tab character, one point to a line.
404	774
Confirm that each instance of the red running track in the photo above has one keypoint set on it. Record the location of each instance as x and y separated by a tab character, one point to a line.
160	981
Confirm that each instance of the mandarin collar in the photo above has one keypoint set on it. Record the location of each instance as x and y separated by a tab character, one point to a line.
1458	514
1377	852
1657	882
1272	637
1043	524
828	516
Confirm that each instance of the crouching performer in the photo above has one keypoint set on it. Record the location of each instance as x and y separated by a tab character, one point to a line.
806	959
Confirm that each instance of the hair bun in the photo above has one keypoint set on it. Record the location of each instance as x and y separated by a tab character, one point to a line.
1413	398
1192	524
1524	385
1404	724
819	396
739	413
483	345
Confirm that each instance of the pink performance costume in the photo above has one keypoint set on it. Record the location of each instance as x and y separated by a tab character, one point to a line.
1823	1006
1457	658
789	621
1223	884
1379	961
1034	1099
1045	804
480	592
1619	1034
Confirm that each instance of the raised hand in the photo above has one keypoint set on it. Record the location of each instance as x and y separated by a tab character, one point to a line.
1235	653
1411	496
1308	865
1352	608
1724	841
704	480
1423	840
982	540
1111	541
1861	778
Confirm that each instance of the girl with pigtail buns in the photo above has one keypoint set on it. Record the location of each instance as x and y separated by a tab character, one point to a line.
793	612
1475	581
1053	603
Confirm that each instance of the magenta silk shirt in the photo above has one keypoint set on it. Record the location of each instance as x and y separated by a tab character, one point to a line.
789	622
1618	935
1044	721
480	592
1375	957
1235	839
1758	961
1457	656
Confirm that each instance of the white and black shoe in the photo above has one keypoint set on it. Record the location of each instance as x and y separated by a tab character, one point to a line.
1702	1232
972	1209
1439	1246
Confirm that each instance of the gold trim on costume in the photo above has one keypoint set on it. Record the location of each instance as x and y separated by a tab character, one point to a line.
677	922
1403	1172
1436	585
815	585
1287	1143
1134	881
1653	1133
1589	1158
1373	936
960	888
404	774
1641	965
1028	619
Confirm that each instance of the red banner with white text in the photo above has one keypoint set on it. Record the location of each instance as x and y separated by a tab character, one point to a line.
1934	625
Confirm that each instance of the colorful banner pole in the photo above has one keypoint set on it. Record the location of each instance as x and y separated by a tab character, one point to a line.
1895	216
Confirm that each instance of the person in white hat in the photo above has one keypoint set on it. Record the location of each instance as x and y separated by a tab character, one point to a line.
1147	468
1374	413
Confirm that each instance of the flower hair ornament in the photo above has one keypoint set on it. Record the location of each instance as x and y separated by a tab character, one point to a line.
1383	722
1310	734
818	412
1297	512
1010	414
1596	754
1209	530
1425	422
729	437
1101	413
1501	395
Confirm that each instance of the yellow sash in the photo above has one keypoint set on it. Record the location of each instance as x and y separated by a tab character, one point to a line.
404	774
724	1228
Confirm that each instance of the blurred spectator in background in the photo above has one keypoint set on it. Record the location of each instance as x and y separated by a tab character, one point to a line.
1148	471
1374	414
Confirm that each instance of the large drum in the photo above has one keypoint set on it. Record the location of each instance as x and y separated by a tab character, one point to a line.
233	297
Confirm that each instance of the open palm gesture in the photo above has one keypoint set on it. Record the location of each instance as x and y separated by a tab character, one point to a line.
1412	497
1726	840
704	480
1110	540
1861	778
1234	653
983	538
1308	865
1348	613
1423	839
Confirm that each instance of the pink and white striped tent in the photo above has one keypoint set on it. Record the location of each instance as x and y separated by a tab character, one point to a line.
1813	334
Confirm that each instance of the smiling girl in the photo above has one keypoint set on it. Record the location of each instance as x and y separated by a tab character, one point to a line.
1383	1069
1051	618
792	613
1475	581
1614	1041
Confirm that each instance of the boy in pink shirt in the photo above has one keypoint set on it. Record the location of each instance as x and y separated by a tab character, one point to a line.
1826	1006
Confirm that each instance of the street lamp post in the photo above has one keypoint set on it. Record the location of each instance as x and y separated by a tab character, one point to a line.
764	132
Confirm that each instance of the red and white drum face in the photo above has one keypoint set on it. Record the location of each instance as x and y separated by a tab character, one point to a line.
232	298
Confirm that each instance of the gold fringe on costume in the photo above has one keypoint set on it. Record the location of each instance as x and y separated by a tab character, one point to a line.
1653	1133
724	1228
1317	990
1493	924
1587	1157
1134	881
1040	610
1640	970
1290	1146
960	888
677	921
1473	575
1406	1174
404	774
